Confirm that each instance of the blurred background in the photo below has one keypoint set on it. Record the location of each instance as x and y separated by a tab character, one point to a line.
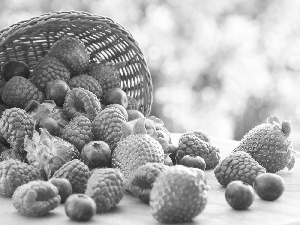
221	66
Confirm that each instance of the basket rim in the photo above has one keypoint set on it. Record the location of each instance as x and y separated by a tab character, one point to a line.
7	32
10	34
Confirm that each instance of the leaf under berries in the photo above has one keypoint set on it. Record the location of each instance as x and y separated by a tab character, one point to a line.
38	110
39	150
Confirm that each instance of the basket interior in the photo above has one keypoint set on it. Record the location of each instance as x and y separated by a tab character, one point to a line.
104	39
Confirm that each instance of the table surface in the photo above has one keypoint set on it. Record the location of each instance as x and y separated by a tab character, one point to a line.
283	211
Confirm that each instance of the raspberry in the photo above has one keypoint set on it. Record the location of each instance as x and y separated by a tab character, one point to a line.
107	74
198	133
106	187
14	173
15	124
80	101
48	69
193	161
132	103
87	82
19	91
238	166
107	126
72	53
76	172
78	132
190	144
142	180
36	198
163	132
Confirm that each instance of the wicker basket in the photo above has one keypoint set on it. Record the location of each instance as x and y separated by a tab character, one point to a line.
29	40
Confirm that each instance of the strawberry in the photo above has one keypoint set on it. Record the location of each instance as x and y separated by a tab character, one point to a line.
269	144
48	152
135	150
178	195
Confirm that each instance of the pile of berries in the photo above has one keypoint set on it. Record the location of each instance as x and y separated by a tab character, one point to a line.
70	134
61	122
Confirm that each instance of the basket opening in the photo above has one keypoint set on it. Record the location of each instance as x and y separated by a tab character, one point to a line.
30	40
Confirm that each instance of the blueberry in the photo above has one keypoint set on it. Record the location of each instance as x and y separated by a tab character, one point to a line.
80	207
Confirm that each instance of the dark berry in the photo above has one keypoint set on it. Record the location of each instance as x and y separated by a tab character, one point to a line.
134	114
57	90
116	96
239	195
269	186
193	161
64	187
15	68
96	154
80	207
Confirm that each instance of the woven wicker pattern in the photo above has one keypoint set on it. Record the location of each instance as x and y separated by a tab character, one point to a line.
29	40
